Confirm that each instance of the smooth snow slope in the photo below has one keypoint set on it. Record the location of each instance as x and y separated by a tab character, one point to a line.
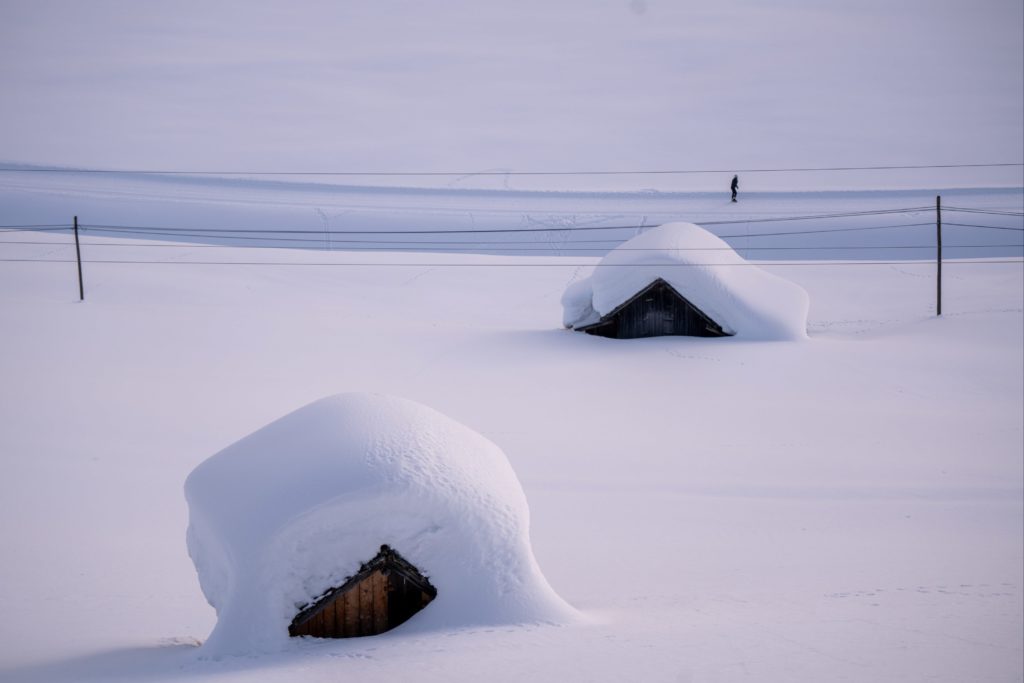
469	86
846	508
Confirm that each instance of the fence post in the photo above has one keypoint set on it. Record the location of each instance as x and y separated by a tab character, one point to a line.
938	255
78	258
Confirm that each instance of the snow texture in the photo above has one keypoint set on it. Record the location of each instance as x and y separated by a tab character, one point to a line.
835	509
744	299
292	510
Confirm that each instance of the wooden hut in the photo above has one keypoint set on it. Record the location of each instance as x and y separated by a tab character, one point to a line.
385	592
654	311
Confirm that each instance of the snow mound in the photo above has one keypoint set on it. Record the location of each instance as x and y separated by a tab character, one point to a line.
293	509
744	299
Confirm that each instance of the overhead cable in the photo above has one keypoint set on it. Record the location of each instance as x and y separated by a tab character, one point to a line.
504	173
510	265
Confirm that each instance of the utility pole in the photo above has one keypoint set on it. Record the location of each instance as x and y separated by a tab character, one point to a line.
78	257
938	255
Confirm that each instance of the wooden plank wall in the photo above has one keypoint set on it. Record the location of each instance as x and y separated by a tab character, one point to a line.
361	611
655	311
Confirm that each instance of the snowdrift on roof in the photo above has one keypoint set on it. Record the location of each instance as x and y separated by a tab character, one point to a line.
744	299
292	510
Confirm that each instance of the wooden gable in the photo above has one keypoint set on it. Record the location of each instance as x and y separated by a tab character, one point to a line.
654	311
385	592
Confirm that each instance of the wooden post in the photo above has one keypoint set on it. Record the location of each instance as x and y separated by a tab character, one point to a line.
78	257
938	255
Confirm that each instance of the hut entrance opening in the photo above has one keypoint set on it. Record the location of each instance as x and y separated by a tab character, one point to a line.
385	592
656	310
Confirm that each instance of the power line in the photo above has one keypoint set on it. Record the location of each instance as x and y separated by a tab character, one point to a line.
506	173
827	230
993	212
226	233
418	243
193	231
822	216
285	242
268	234
987	227
255	234
26	228
251	231
513	265
418	247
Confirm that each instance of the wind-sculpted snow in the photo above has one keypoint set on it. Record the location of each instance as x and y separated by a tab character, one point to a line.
293	509
744	299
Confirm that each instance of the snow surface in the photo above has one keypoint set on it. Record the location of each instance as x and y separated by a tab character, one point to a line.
289	512
466	86
336	217
847	508
744	299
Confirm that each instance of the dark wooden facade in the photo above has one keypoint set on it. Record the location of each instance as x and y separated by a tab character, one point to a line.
655	311
385	592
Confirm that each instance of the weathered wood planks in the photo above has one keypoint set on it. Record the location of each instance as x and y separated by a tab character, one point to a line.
386	592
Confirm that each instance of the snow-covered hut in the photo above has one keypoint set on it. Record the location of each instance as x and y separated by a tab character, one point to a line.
679	279
357	513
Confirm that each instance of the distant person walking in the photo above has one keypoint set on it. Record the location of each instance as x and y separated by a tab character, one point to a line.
735	186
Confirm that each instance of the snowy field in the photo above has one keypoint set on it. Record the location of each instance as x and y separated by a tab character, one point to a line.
316	197
848	507
447	216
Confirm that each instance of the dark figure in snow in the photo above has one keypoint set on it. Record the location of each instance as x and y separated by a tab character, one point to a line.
735	186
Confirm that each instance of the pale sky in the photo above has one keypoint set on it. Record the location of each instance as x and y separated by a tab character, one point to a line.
384	85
